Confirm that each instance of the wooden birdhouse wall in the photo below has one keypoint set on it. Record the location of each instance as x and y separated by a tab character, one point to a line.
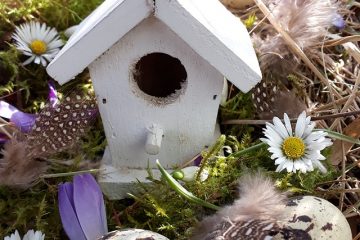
187	117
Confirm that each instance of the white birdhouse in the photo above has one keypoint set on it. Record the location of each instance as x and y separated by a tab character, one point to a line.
157	68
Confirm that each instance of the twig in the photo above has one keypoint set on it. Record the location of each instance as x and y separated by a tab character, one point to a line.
356	190
54	175
349	101
337	181
339	101
343	174
357	237
352	208
293	120
5	131
340	40
187	163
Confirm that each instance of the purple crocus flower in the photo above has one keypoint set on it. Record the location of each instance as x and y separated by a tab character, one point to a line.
25	121
82	208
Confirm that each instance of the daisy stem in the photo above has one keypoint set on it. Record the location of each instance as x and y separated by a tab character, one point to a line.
247	150
215	149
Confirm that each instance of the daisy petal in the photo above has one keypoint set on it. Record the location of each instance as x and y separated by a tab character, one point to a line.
320	166
281	129
287	124
300	125
29	60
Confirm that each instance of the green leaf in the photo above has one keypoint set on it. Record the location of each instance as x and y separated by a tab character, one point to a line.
248	150
182	191
339	136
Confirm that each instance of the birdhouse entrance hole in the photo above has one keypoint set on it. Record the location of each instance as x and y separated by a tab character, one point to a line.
160	75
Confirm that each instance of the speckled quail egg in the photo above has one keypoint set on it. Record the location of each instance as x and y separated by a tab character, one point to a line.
132	234
317	216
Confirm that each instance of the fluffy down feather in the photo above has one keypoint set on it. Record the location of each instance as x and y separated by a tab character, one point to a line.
259	208
16	169
306	21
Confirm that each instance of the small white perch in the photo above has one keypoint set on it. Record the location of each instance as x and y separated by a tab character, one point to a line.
153	140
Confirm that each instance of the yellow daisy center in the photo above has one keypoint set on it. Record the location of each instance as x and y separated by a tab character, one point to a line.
293	147
38	47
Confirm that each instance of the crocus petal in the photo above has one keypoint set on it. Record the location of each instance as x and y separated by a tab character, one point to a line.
89	205
7	110
52	95
68	216
24	121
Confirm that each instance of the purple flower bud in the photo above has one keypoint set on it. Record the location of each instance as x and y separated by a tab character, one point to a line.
82	208
53	94
338	22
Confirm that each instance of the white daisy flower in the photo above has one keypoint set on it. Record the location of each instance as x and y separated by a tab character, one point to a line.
30	235
299	150
14	236
39	42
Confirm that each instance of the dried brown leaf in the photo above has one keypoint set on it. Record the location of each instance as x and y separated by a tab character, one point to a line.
352	130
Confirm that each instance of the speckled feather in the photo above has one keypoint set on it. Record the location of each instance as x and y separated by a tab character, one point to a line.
273	99
56	129
60	127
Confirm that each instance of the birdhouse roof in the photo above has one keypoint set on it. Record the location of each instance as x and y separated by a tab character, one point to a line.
205	25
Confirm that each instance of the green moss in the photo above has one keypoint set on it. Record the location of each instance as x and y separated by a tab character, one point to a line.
32	209
60	14
238	107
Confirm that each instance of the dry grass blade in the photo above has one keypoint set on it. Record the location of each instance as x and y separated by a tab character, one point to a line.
349	101
341	40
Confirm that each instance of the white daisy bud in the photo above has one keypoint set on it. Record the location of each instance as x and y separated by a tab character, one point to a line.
70	31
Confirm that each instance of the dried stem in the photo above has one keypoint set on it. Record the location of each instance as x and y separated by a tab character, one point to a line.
293	120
